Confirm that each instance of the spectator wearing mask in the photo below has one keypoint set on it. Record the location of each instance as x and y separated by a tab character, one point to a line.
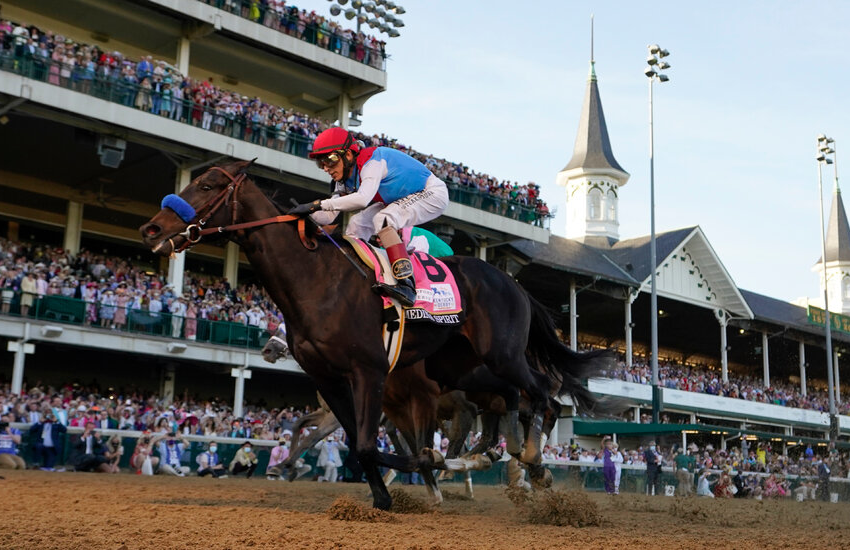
143	452
210	464
278	456
609	471
10	438
617	459
244	461
46	434
114	452
824	472
87	452
653	469
170	452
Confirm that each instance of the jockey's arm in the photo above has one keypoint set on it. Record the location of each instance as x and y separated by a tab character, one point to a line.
370	179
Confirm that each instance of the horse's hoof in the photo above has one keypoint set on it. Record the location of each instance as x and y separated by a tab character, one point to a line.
382	504
541	477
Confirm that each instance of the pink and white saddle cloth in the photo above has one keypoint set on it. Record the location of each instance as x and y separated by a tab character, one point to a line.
437	296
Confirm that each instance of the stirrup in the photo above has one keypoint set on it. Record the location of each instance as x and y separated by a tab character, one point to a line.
403	291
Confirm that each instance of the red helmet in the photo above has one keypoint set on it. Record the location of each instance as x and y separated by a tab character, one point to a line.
334	139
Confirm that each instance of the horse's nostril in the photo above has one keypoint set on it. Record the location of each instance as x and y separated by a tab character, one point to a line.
152	230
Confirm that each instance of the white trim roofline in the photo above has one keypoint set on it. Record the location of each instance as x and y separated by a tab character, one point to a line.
729	297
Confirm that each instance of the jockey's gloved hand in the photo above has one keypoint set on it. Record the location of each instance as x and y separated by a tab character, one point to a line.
306	208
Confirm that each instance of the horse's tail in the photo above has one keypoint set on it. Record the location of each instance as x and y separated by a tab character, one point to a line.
565	367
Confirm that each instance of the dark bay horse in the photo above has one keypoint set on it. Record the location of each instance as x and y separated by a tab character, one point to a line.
334	319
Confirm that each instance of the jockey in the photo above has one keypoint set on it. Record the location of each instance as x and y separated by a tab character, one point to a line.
391	189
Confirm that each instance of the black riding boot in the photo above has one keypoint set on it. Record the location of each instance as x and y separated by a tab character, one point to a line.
404	291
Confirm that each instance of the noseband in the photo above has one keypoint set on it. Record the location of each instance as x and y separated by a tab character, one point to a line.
228	196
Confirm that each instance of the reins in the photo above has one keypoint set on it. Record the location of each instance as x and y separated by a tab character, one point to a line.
196	230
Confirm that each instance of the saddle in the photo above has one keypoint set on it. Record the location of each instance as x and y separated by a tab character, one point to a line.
437	296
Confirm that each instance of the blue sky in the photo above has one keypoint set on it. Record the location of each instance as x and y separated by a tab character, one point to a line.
752	84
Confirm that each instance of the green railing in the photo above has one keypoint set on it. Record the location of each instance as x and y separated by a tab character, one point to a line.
117	89
157	101
498	205
324	38
61	309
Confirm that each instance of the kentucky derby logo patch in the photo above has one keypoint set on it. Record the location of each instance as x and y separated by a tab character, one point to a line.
444	298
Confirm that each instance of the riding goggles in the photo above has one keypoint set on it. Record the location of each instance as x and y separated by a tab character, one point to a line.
328	160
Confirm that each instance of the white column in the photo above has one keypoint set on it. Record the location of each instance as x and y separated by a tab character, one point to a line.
231	263
629	352
637	415
21	349
724	352
684	441
835	378
176	265
167	384
240	374
482	251
343	109
73	227
765	359
802	369
183	55
573	317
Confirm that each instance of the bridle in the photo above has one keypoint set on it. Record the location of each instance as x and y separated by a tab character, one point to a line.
197	229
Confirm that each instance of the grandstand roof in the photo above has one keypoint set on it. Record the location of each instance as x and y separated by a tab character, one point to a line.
575	257
786	314
593	148
627	262
838	231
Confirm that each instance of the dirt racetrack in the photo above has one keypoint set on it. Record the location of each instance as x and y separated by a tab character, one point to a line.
73	510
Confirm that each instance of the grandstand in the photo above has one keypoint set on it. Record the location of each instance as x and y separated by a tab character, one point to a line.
84	165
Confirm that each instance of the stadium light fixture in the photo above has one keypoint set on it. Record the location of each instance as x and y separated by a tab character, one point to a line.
653	72
385	14
823	153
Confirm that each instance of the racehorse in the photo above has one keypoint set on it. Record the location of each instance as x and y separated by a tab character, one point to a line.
334	319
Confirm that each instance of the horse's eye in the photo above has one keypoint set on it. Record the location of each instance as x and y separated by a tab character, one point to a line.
206	187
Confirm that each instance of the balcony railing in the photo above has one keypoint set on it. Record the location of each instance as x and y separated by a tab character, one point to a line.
158	102
260	13
500	206
61	309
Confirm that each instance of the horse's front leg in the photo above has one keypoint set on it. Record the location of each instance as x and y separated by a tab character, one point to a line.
367	391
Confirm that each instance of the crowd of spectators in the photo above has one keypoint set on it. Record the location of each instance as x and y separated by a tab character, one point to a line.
758	471
165	426
114	288
310	27
74	405
157	87
740	386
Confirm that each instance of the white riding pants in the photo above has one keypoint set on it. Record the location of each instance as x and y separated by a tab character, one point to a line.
416	209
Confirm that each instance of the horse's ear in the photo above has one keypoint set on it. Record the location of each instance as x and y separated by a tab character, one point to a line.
243	168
